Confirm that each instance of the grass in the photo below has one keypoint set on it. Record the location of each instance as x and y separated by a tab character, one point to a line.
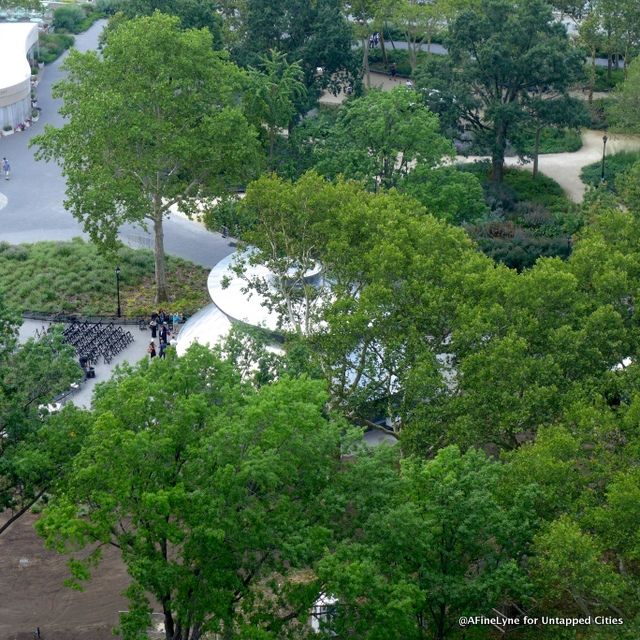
615	165
72	277
554	140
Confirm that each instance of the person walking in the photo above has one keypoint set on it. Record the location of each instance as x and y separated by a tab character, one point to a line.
151	350
394	70
6	168
163	349
163	334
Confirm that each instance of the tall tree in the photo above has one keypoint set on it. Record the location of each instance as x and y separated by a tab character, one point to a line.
499	52
127	146
211	490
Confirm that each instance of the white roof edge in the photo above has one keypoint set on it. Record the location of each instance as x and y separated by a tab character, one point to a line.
16	38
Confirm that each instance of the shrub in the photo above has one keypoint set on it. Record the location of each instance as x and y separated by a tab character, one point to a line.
53	45
615	166
74	277
69	18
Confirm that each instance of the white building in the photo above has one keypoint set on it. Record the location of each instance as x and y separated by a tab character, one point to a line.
18	41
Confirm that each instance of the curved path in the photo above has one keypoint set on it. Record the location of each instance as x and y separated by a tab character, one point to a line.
34	210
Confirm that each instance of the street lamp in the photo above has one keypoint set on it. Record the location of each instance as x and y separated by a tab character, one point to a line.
118	289
604	149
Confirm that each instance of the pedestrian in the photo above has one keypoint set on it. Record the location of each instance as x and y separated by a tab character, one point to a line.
6	168
151	350
153	324
162	316
163	333
394	70
176	320
163	349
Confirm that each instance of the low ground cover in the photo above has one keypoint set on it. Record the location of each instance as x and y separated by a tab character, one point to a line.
615	165
530	217
72	277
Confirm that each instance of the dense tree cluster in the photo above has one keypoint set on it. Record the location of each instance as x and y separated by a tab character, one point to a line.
235	482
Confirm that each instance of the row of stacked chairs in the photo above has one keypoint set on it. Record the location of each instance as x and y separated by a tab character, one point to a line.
95	341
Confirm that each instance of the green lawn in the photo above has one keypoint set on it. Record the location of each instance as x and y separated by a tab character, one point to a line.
615	165
72	277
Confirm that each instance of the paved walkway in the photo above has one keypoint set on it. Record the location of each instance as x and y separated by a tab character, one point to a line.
565	168
34	196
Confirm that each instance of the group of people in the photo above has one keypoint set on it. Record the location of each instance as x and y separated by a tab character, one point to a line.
164	326
374	40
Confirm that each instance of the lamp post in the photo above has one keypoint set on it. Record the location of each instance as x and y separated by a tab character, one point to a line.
118	289
604	150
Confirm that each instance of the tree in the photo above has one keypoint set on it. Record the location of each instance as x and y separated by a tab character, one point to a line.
193	14
276	87
448	193
378	137
500	52
34	447
211	489
418	21
455	549
68	18
314	32
624	110
133	114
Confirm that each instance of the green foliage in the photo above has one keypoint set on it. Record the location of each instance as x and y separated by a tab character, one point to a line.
606	82
443	517
554	140
34	448
69	18
530	218
495	71
451	195
616	166
131	115
73	277
376	138
623	111
53	45
209	486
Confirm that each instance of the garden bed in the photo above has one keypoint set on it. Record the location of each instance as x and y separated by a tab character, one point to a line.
72	277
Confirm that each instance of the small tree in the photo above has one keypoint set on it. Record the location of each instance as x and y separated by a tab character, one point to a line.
152	123
276	87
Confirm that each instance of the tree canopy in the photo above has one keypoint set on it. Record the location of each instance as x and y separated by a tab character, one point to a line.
127	147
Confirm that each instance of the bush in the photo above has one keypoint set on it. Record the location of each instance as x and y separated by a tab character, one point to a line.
553	140
531	218
606	83
53	45
73	277
69	18
615	165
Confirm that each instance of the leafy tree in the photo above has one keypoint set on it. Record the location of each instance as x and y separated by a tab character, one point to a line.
25	4
448	193
127	147
500	52
314	32
276	87
211	489
193	14
34	448
624	110
68	18
378	137
437	546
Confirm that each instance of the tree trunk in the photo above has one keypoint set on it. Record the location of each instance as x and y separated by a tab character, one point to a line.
272	146
536	151
365	60
160	262
593	75
383	48
497	156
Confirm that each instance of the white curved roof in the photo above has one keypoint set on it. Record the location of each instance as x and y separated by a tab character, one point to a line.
16	38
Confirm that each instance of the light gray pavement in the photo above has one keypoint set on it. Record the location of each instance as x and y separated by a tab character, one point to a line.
132	354
438	49
34	208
